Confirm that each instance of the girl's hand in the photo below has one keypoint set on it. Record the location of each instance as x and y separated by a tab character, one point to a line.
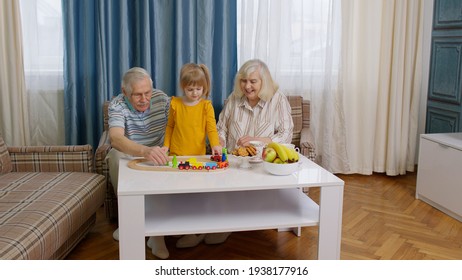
217	150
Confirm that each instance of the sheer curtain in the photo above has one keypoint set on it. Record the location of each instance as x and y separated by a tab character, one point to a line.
359	62
14	120
300	42
43	70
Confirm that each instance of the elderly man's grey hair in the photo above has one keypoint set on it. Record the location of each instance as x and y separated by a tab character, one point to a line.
133	75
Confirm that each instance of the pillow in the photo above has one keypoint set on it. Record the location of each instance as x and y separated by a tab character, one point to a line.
5	161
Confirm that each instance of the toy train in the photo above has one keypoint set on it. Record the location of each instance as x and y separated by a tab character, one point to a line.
217	162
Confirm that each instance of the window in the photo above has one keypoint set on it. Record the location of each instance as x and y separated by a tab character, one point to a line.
42	36
42	46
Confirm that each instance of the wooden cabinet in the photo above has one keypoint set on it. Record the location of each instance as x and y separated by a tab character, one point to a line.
439	175
444	103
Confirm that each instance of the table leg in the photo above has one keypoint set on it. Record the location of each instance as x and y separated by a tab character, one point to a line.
131	228
330	222
296	230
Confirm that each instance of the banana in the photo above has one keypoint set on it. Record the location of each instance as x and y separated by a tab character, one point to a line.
280	150
297	157
290	154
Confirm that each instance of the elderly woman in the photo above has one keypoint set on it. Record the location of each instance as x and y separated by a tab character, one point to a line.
255	111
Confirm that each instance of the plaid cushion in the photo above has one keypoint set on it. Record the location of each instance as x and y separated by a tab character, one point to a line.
77	158
41	211
5	161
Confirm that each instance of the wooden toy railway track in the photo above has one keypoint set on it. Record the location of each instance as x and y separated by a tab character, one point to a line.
144	165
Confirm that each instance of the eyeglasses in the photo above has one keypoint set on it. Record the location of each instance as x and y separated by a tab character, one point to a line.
138	96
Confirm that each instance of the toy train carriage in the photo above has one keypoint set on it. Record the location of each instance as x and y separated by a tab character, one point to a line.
184	165
193	164
217	162
222	164
211	165
220	158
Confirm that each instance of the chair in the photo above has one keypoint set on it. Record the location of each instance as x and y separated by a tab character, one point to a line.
302	135
302	138
101	166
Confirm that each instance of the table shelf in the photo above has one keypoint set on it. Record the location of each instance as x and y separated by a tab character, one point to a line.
173	214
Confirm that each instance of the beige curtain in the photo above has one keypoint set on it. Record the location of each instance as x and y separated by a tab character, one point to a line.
382	71
13	100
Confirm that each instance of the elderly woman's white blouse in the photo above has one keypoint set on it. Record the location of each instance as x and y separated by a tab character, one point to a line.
271	119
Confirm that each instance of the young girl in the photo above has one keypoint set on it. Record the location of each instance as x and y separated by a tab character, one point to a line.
191	117
191	121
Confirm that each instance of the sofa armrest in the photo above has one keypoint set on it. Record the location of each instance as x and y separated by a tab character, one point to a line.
73	158
307	147
103	149
101	166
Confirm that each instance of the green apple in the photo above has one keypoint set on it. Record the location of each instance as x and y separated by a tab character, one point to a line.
269	154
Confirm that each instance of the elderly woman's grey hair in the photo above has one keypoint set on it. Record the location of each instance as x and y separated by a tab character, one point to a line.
269	86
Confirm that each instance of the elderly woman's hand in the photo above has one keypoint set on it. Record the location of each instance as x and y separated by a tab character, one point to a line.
222	142
244	141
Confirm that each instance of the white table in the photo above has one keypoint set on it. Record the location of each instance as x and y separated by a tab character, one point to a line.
161	203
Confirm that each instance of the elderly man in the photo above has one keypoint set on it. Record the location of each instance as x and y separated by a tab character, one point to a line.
137	121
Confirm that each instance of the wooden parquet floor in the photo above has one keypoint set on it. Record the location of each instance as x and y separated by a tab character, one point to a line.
381	220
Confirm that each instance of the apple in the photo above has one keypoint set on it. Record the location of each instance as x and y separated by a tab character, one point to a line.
278	161
269	154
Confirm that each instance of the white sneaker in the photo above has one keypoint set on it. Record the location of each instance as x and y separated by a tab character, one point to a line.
115	234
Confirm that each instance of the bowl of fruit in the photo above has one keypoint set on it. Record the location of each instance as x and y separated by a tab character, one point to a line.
279	159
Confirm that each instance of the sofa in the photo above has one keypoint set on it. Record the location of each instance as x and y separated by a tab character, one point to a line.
49	196
302	138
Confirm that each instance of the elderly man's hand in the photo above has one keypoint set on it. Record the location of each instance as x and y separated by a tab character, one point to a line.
156	154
